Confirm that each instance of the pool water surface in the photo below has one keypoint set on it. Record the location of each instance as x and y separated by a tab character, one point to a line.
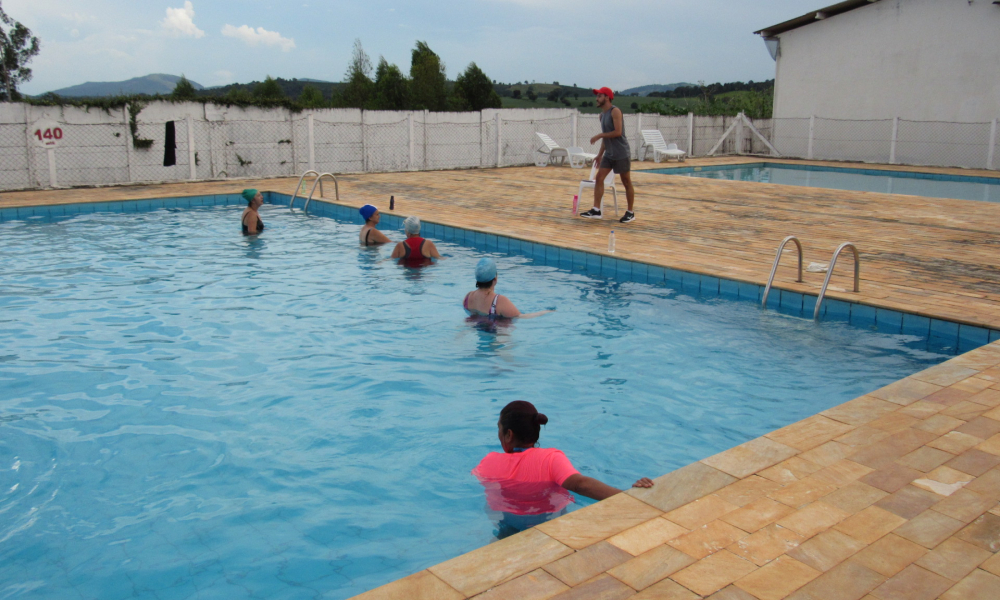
187	413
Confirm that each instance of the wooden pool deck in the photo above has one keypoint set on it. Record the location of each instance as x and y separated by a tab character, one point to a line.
891	496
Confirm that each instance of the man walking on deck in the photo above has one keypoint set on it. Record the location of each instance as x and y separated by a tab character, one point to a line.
614	154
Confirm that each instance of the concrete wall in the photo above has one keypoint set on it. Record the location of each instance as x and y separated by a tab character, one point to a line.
925	60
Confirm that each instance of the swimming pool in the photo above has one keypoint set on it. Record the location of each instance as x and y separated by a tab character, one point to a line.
931	185
185	411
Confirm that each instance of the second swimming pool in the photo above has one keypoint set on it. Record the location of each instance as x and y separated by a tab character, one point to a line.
185	411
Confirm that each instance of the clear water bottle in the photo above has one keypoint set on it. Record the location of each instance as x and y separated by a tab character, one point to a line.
611	242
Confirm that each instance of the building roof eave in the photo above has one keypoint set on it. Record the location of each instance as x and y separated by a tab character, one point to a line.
812	17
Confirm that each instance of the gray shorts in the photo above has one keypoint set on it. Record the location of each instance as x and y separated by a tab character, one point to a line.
618	165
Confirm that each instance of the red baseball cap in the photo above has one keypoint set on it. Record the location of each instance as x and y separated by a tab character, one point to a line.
606	91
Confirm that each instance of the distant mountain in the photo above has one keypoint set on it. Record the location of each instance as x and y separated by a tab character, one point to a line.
646	90
290	87
157	83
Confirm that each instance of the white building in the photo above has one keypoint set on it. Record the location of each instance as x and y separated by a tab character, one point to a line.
925	60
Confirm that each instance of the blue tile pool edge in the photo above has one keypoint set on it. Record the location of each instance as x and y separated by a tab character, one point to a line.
852	170
964	336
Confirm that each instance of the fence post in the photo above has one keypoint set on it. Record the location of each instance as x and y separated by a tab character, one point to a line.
691	134
193	170
52	167
364	147
291	129
128	143
993	144
32	179
638	127
425	138
409	125
892	146
738	147
312	144
812	135
499	140
576	115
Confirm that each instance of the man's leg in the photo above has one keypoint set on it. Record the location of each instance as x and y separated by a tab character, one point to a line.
602	174
629	190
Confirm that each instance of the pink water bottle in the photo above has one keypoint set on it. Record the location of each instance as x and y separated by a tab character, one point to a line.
576	202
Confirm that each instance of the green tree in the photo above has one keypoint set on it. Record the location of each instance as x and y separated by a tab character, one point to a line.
184	90
392	90
475	91
17	48
517	94
268	90
311	97
427	79
553	95
358	92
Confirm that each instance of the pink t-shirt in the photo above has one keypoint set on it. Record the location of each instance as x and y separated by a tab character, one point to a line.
526	483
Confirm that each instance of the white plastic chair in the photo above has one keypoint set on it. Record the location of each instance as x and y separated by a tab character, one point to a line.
609	182
549	151
579	158
652	139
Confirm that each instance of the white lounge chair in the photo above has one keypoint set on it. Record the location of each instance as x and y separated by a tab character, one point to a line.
549	152
579	158
589	184
652	139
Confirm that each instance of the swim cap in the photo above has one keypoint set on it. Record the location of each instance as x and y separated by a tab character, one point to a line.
367	211
486	270
248	194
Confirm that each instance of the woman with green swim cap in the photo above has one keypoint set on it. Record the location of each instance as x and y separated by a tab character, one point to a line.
252	225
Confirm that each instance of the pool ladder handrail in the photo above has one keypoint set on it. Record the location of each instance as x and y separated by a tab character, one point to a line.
318	180
774	267
829	273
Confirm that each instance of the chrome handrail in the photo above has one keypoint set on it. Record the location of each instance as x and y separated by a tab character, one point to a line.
295	194
774	267
829	273
319	180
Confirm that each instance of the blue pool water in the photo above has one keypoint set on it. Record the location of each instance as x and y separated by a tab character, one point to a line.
929	185
187	413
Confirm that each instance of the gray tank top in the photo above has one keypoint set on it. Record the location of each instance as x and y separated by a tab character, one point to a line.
614	148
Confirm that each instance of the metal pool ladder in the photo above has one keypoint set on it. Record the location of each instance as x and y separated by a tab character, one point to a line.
318	180
829	273
774	268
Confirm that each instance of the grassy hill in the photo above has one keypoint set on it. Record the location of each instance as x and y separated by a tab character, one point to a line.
157	83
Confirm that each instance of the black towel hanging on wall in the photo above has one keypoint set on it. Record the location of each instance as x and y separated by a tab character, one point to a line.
170	146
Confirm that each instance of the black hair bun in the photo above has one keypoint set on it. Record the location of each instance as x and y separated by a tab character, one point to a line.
541	419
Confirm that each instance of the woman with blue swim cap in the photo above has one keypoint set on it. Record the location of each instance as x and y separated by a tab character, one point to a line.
252	225
369	235
485	302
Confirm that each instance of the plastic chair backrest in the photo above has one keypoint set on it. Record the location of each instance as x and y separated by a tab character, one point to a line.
609	180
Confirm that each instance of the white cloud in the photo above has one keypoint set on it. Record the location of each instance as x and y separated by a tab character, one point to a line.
258	36
180	21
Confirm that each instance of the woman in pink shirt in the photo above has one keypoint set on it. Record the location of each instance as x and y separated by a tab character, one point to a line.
530	485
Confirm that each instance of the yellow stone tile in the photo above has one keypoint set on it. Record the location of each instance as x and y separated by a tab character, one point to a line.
929	528
602	587
790	470
778	579
972	384
713	573
812	519
870	524
991	445
979	585
826	550
827	454
766	544
842	472
708	539
906	391
945	374
854	497
677	488
809	433
537	585
954	559
987	397
666	590
652	566
803	492
757	514
955	442
893	422
940	424
701	511
750	457
599	521
947	475
922	409
860	410
747	490
587	563
419	586
646	536
889	555
485	567
992	564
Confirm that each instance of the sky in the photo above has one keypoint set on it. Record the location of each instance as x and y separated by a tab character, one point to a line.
618	44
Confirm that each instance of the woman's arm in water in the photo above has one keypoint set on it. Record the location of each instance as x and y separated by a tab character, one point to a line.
378	237
398	251
598	490
432	250
506	308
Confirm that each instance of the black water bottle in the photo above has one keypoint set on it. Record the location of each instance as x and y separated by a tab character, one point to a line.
392	202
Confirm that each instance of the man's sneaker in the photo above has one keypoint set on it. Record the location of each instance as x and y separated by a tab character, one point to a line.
628	218
591	214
